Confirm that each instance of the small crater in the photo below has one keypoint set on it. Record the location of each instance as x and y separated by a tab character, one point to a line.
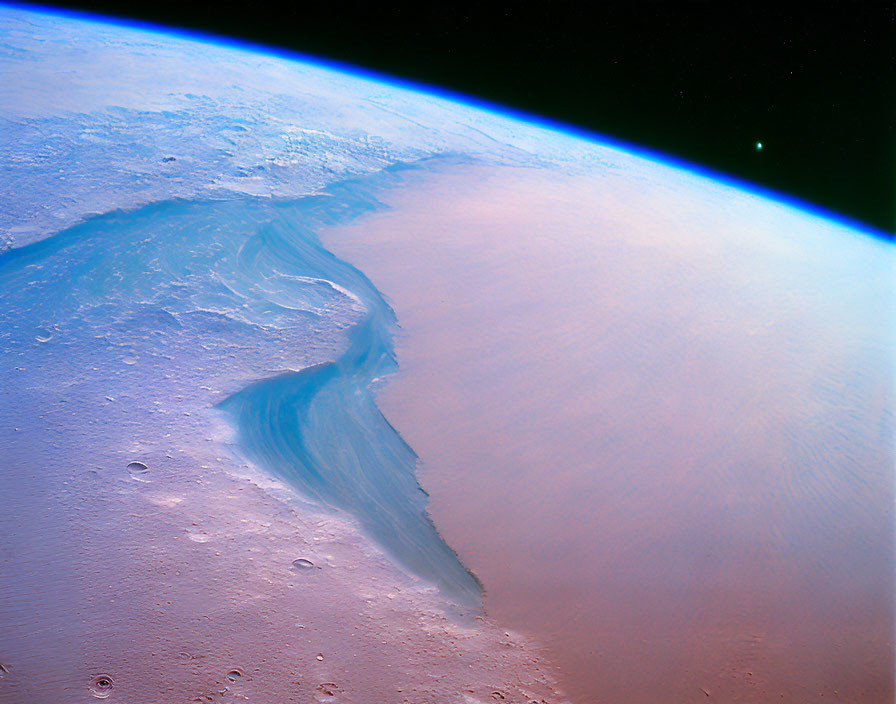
101	686
234	675
498	696
138	471
43	335
303	564
328	689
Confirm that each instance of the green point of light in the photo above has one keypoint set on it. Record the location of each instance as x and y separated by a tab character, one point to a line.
758	146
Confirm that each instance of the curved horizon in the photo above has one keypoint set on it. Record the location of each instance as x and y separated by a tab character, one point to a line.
470	101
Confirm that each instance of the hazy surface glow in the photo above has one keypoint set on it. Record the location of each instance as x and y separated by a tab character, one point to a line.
654	411
658	426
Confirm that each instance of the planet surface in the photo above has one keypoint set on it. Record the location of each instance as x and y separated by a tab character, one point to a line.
319	387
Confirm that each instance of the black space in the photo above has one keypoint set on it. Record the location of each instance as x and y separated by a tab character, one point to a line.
815	82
